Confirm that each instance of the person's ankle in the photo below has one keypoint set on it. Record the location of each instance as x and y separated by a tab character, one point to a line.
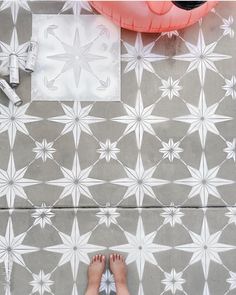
93	287
121	284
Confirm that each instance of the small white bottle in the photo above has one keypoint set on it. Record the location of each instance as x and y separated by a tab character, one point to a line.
10	93
14	70
32	56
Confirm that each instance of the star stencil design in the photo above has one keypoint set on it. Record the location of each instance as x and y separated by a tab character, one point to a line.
12	248
14	5
77	57
140	248
74	248
201	57
202	118
140	58
41	283
12	182
75	182
205	247
173	281
13	119
139	119
76	6
204	181
139	182
13	47
76	119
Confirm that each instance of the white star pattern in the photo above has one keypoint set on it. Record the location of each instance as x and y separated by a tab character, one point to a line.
173	281
41	283
108	216
12	182
230	87
172	216
202	118
227	26
201	57
13	119
76	6
139	182
140	58
12	248
75	182
171	150
44	150
205	247
139	119
14	47
43	216
230	149
232	280
76	119
204	181
107	283
231	214
108	150
74	248
170	88
151	177
14	5
140	248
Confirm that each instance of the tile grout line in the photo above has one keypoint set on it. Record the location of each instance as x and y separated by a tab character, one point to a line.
118	207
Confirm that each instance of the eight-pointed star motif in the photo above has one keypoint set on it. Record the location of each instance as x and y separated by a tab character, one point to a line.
204	181
171	150
12	182
139	182
13	119
13	47
76	119
140	248
202	118
44	150
170	88
205	247
41	283
12	248
201	57
76	6
231	149
77	57
173	281
74	248
140	58
232	280
75	182
107	283
139	119
230	87
14	5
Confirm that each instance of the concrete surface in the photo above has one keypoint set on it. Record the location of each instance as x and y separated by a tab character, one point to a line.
164	157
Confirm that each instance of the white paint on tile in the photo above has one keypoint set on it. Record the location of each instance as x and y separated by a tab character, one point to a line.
79	58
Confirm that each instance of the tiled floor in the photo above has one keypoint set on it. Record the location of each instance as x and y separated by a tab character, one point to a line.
152	176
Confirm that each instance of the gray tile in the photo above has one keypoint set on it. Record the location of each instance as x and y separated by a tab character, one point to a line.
196	247
88	136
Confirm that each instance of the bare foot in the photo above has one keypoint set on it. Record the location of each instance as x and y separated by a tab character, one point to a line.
95	271
119	270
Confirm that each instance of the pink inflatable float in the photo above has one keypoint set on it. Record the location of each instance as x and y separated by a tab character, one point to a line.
157	16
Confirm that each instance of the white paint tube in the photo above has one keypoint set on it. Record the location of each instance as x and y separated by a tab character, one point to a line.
32	56
14	70
10	93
